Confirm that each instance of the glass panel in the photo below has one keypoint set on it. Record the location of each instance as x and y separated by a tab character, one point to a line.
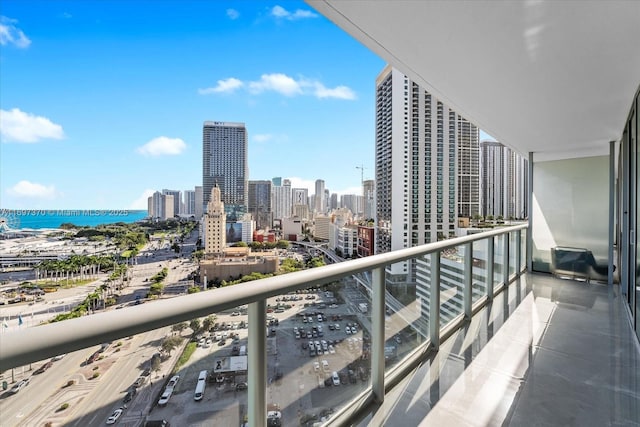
571	199
513	249
451	284
498	260
480	253
318	349
523	249
633	133
408	292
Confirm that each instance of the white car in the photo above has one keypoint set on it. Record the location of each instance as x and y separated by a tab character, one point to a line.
332	350
347	330
173	381
19	385
114	417
325	365
335	378
166	395
316	366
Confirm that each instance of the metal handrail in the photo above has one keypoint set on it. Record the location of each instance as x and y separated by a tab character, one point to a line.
18	348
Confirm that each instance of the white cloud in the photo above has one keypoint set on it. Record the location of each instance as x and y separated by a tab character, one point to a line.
339	92
141	202
276	82
224	86
297	182
233	14
284	85
262	137
18	126
349	190
280	12
10	34
162	146
33	190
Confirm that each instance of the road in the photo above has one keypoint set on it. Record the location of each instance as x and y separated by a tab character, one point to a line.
90	401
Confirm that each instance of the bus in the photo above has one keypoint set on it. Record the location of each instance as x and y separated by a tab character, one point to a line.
202	382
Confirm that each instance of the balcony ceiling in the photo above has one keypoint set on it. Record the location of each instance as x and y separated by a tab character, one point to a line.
556	78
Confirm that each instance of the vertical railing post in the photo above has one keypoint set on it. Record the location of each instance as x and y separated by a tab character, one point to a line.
490	261
518	266
530	215
505	264
468	282
377	334
612	202
257	366
434	300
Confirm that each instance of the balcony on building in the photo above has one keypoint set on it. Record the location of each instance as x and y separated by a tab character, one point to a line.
533	323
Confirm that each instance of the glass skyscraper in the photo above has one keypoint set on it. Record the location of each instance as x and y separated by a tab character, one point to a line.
224	163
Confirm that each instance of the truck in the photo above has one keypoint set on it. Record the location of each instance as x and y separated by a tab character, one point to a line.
362	307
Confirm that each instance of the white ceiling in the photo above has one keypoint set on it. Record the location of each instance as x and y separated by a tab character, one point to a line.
556	78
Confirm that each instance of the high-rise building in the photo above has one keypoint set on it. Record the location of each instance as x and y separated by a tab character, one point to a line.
504	176
299	196
319	206
189	202
299	203
224	163
369	198
215	223
417	149
468	168
177	200
281	200
199	209
160	206
333	201
260	203
276	181
353	202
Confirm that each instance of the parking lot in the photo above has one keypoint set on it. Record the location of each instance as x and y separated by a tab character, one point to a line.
300	381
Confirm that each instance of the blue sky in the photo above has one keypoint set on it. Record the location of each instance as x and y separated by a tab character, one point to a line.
103	101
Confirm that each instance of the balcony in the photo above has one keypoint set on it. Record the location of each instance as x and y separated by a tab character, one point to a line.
495	353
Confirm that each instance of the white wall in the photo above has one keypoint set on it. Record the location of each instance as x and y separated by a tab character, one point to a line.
570	207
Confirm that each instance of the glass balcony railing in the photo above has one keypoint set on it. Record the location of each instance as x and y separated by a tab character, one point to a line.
308	347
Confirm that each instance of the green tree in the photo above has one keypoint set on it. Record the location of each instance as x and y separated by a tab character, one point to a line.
195	325
179	327
170	343
283	244
208	322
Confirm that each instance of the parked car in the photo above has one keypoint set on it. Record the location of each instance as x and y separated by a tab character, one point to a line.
130	394
141	380
173	381
19	386
43	368
166	395
335	378
114	417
